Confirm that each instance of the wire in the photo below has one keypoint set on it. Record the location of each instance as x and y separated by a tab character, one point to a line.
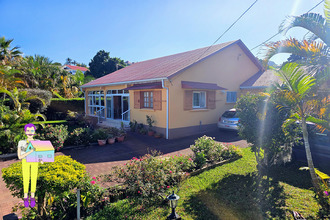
227	29
280	32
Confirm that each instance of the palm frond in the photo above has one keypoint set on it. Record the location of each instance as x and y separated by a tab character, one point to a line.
313	22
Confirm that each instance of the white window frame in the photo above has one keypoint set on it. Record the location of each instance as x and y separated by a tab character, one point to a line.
148	99
230	98
95	97
200	95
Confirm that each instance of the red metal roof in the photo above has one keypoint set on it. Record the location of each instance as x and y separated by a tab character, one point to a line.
199	85
165	67
77	68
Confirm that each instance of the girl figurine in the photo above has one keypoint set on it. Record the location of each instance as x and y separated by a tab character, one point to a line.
29	169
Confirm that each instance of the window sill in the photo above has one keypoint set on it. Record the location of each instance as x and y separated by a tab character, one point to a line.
147	109
199	110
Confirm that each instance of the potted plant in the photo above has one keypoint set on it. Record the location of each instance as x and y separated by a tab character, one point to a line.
158	135
151	132
121	135
133	125
111	139
101	136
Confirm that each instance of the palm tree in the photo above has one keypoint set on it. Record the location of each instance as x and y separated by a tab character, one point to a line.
314	54
295	95
68	61
7	54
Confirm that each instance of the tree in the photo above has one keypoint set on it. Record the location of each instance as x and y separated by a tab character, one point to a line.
294	95
261	126
68	61
7	54
102	64
314	54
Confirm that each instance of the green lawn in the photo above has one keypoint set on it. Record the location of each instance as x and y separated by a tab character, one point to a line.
231	191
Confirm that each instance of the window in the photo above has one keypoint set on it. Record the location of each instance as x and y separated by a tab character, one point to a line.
95	102
148	100
199	99
231	97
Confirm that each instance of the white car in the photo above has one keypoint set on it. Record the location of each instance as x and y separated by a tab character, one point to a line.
229	120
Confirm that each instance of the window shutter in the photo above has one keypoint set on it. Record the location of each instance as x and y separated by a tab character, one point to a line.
157	100
211	100
137	99
187	103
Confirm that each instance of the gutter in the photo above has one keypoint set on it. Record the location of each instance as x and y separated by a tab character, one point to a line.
125	82
167	105
84	100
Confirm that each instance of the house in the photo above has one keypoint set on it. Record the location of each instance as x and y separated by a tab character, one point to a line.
73	69
184	93
260	81
44	151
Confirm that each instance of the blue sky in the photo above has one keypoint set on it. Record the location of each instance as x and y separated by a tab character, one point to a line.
141	30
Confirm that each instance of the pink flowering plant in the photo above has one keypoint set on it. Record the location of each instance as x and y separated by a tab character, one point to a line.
56	134
207	150
149	177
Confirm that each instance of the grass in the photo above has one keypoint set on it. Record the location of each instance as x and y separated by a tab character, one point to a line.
231	191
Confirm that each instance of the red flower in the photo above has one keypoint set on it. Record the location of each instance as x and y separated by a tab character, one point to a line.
139	192
190	159
168	186
94	178
93	182
170	171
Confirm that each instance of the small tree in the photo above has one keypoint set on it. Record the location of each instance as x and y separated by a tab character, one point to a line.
261	125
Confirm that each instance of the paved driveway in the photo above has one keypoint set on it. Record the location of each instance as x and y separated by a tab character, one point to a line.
99	159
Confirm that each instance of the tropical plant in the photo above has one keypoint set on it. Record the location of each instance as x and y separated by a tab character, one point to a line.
294	94
150	122
7	54
314	54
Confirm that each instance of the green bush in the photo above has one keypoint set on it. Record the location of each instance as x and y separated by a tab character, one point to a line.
147	178
36	105
100	134
79	136
56	134
54	179
58	108
206	149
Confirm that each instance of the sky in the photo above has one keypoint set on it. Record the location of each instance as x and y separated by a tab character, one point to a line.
145	29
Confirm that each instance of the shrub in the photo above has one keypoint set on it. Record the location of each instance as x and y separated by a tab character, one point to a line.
206	149
133	125
100	134
56	134
36	105
147	178
79	136
55	181
113	131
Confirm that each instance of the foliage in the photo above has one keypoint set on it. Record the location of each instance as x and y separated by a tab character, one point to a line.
261	126
206	149
100	134
55	179
7	55
113	131
133	125
59	108
150	122
147	178
102	64
13	118
79	136
36	105
56	134
230	191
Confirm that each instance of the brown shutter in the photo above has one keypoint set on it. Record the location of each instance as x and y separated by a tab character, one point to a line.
187	103
211	100
157	100
137	99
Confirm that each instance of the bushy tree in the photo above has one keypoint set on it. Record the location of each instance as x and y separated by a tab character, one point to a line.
102	64
261	125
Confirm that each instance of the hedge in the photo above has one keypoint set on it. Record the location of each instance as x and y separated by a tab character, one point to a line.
59	107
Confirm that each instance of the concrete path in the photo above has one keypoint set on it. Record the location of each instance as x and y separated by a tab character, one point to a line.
100	159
